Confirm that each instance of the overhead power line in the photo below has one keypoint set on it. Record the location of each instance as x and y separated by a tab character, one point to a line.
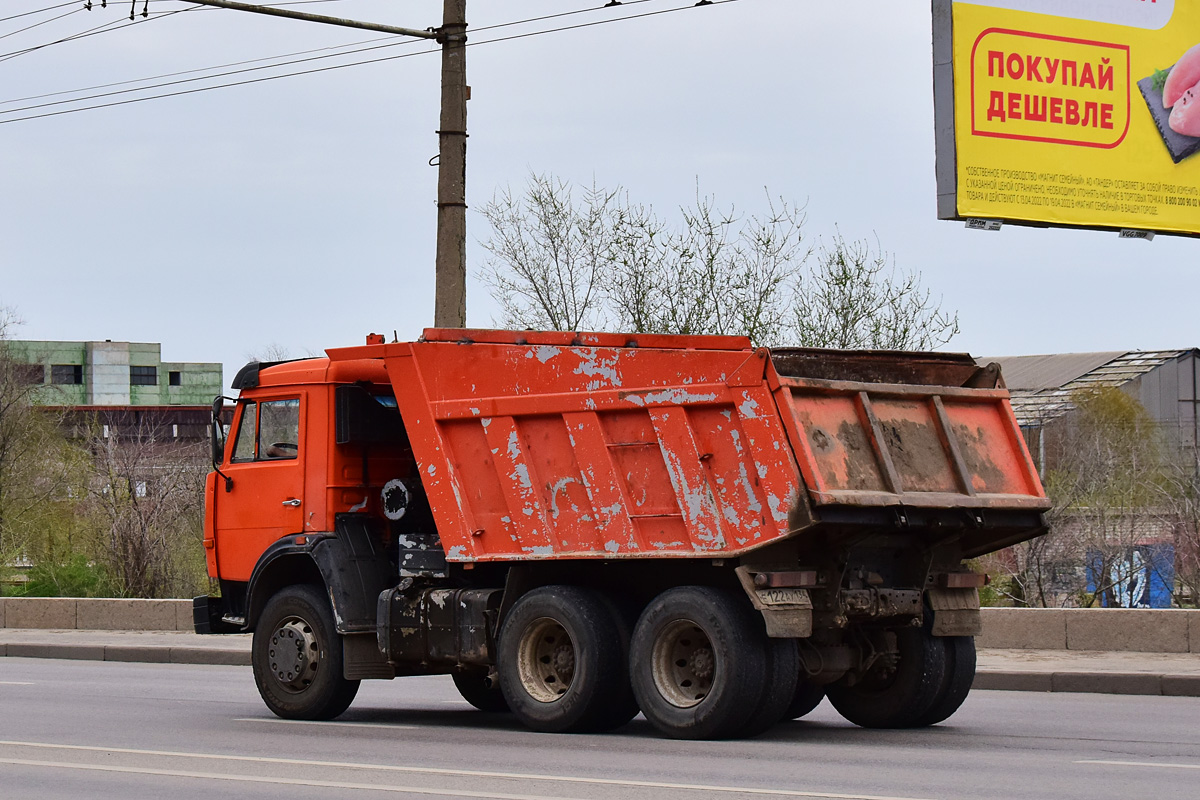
117	24
39	11
210	77
327	68
292	55
39	24
114	25
198	69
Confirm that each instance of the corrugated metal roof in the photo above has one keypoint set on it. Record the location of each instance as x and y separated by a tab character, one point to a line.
1048	371
1036	401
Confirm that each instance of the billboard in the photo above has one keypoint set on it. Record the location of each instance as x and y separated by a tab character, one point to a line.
1081	113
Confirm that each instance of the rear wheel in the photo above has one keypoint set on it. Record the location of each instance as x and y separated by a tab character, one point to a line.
475	688
562	662
807	697
699	663
956	684
899	690
783	674
297	657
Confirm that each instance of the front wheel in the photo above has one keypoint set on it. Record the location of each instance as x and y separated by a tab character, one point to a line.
297	657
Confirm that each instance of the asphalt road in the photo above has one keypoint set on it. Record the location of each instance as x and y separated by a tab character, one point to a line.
81	729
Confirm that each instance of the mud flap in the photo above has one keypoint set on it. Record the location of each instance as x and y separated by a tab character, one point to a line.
787	612
362	660
955	612
355	570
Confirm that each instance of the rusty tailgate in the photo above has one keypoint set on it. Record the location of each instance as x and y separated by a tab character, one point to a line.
870	444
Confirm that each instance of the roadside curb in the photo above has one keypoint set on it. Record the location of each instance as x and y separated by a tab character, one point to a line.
145	655
1134	683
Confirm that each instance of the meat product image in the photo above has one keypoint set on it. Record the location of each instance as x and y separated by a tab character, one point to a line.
1185	116
1184	75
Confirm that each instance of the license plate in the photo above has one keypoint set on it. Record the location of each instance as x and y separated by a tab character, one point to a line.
783	597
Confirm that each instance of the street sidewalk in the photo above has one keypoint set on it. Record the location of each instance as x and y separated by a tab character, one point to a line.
1172	674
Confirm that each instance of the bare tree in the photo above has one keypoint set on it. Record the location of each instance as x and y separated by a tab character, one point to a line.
855	297
36	464
608	262
270	352
146	503
547	254
717	274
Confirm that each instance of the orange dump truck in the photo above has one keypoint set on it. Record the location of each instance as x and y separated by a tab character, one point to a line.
577	527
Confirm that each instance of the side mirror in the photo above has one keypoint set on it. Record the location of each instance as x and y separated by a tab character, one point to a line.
217	433
216	440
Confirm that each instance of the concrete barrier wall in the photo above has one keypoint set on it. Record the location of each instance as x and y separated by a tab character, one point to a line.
99	614
1141	630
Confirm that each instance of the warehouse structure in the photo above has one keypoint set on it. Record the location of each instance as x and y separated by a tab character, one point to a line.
120	384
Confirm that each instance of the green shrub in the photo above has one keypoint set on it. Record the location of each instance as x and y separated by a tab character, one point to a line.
76	577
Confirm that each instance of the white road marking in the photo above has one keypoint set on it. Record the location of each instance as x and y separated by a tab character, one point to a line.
277	721
223	776
463	773
1160	765
16	683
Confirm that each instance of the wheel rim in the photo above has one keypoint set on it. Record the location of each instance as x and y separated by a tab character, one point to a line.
546	660
683	664
294	654
882	675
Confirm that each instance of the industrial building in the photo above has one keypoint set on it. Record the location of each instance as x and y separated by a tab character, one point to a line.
121	384
1132	542
1165	382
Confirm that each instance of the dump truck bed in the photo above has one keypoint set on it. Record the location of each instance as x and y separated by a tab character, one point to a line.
564	445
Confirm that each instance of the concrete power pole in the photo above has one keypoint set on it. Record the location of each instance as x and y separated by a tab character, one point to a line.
450	270
450	290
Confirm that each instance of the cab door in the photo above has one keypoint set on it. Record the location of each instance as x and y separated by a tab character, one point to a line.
266	466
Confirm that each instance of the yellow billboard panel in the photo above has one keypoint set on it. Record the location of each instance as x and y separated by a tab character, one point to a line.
1083	113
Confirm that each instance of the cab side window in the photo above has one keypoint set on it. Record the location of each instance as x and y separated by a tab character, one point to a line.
279	429
243	448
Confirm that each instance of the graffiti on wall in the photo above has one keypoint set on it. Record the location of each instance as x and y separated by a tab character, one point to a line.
1141	577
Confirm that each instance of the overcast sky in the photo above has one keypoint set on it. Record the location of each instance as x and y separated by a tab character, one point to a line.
300	212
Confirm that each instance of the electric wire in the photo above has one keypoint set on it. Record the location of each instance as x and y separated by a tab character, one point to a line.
190	71
114	25
109	26
39	11
269	58
206	77
351	64
39	24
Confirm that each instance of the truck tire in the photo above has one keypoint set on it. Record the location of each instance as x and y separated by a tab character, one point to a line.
563	666
807	697
956	685
623	706
472	684
699	663
297	656
783	673
897	693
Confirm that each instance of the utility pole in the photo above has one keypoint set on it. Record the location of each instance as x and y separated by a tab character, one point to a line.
450	269
450	292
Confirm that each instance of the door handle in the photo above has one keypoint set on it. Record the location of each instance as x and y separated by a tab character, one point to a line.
292	502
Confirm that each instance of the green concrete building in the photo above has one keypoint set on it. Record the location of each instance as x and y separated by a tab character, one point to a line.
114	374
